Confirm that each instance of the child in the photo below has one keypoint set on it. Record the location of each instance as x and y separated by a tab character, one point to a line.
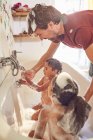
68	112
51	68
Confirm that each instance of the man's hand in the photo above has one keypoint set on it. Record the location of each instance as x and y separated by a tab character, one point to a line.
28	74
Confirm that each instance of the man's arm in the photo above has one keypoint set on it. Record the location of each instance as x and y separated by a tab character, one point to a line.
89	92
89	52
52	49
50	52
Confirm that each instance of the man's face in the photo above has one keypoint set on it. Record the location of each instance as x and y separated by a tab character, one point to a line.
48	33
45	34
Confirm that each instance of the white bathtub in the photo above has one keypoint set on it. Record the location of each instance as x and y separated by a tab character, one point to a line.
83	82
6	133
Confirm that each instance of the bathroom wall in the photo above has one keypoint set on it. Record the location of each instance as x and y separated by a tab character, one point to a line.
6	47
6	38
27	58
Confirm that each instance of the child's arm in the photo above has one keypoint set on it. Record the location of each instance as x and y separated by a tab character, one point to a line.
38	87
41	124
22	82
41	82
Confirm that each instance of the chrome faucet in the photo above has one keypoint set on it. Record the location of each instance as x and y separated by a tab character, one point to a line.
13	62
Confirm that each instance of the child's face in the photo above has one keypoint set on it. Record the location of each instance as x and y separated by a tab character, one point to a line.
48	71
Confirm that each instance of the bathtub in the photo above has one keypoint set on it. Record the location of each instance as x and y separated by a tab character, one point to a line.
84	82
7	133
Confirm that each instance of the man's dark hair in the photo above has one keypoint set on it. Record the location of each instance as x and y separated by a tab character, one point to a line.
54	64
43	15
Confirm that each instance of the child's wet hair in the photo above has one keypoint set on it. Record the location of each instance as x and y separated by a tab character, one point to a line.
54	64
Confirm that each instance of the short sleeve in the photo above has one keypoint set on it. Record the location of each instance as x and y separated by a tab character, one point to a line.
84	37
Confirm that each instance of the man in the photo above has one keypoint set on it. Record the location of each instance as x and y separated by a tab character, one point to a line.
75	30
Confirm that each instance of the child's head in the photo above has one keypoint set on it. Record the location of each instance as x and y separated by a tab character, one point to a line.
64	88
52	67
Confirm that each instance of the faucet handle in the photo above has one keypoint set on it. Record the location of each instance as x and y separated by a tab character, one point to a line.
14	53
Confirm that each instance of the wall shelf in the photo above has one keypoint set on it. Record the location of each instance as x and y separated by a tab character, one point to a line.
25	38
20	14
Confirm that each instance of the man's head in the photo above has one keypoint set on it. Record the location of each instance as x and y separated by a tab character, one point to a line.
64	88
44	21
52	67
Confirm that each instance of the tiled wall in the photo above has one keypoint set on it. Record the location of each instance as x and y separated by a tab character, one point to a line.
6	46
6	37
